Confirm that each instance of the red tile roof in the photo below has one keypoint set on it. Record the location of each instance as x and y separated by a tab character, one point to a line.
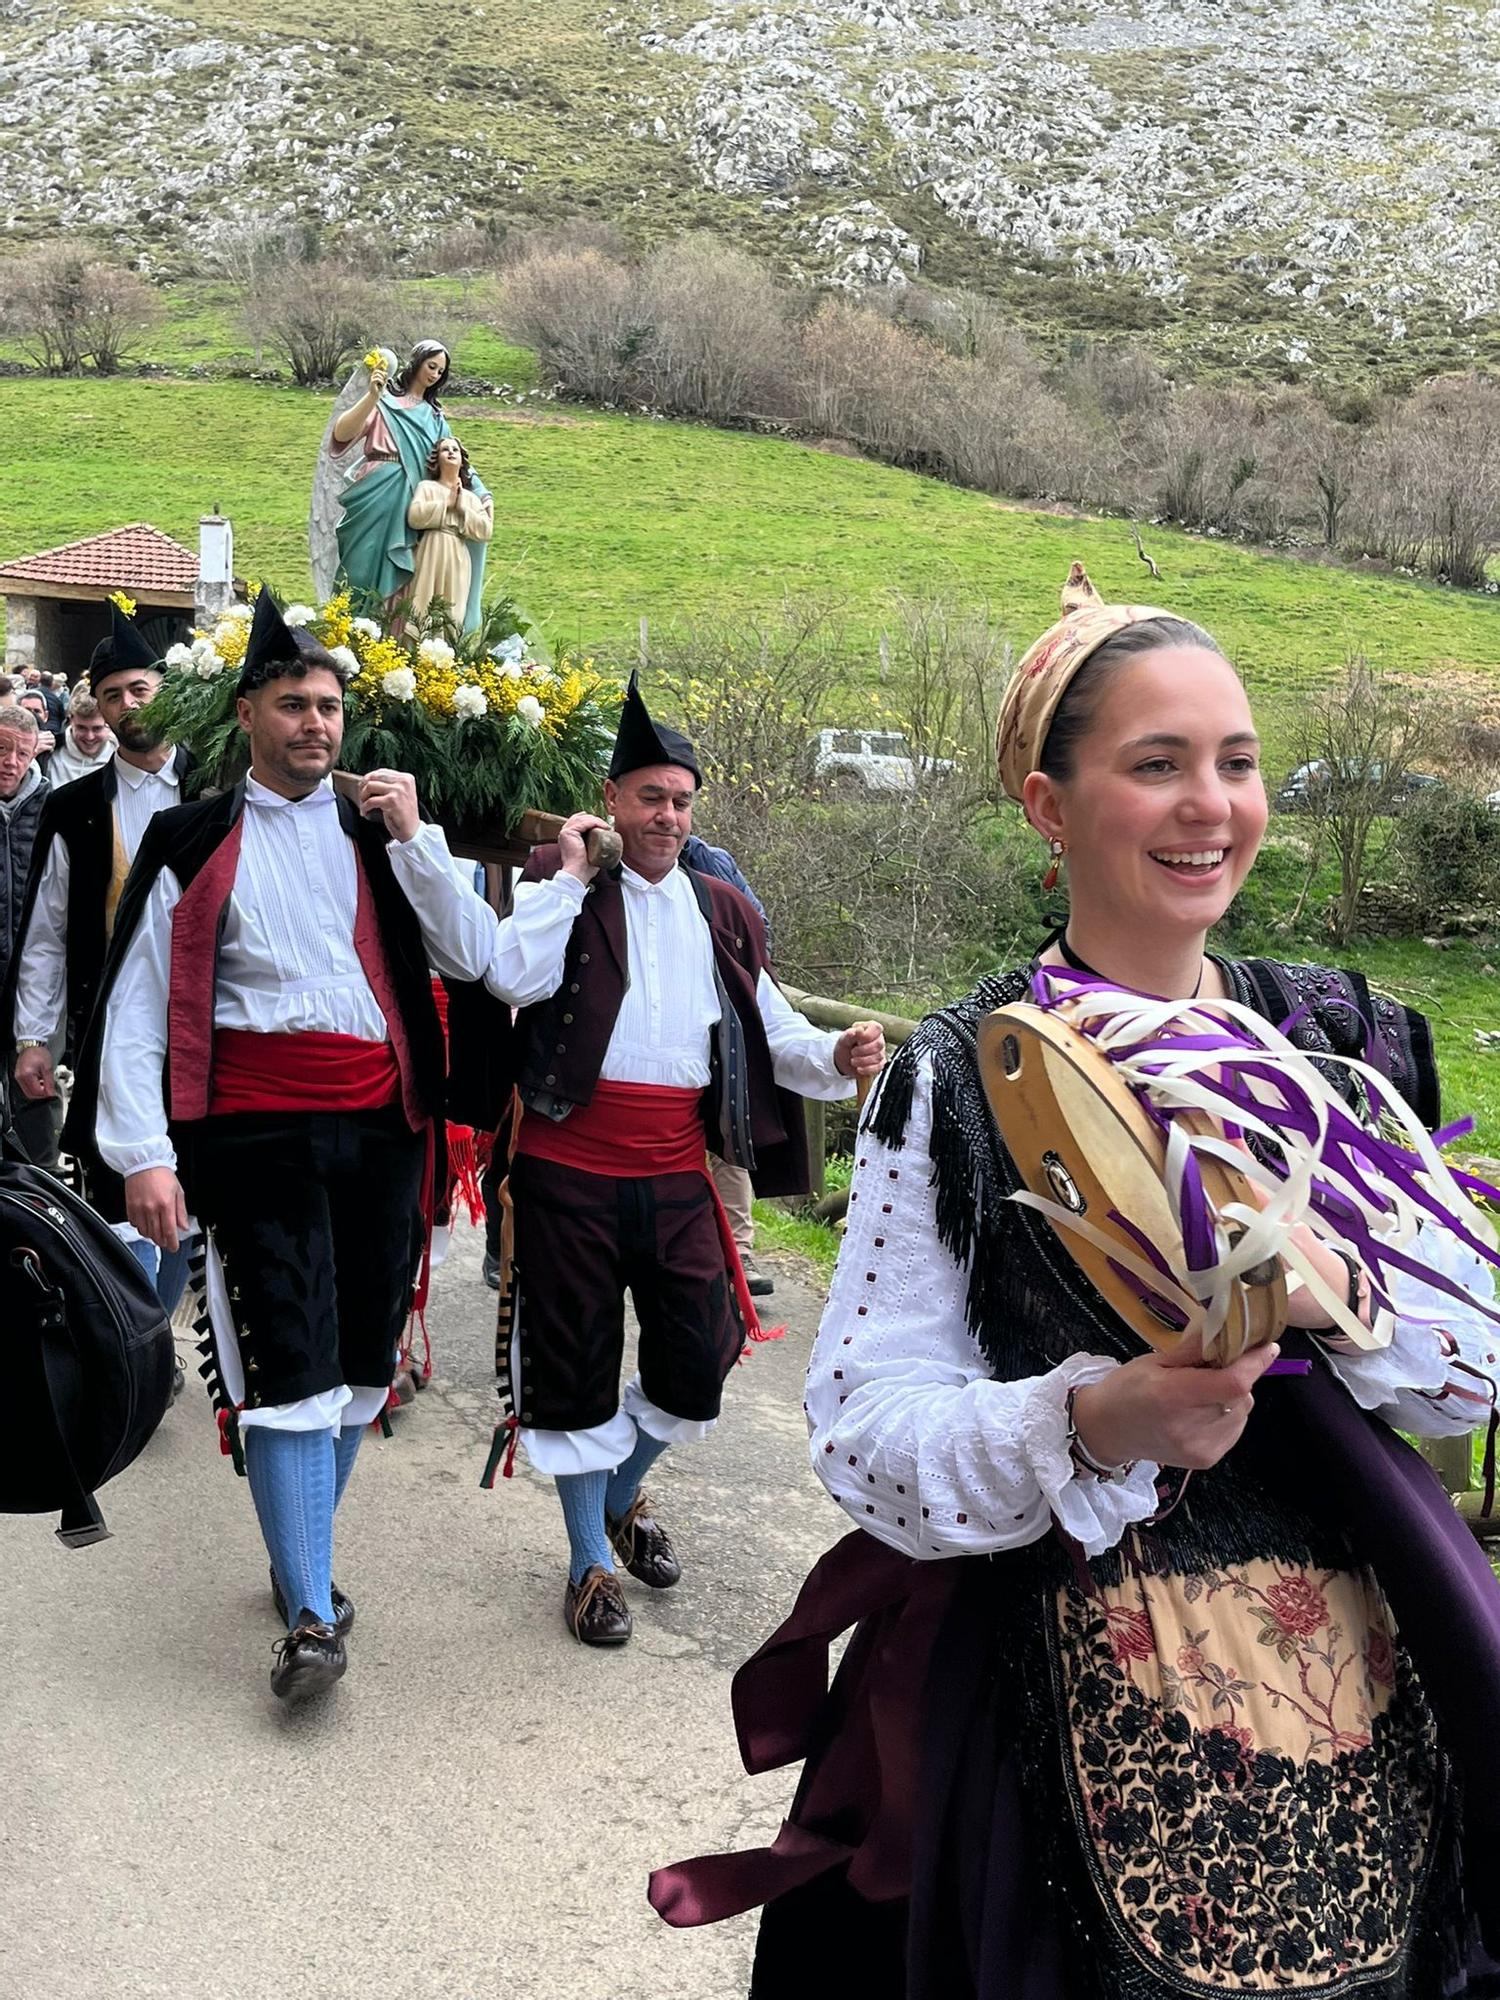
139	558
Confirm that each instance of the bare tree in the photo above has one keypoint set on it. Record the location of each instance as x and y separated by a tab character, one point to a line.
1363	739
580	313
717	340
318	315
66	308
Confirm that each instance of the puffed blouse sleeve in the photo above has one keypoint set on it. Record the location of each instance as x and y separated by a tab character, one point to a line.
910	1432
1439	1375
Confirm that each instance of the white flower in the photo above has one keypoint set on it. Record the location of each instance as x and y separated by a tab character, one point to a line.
469	703
179	656
530	710
400	684
345	659
367	626
436	652
509	649
208	664
543	676
299	614
510	670
240	613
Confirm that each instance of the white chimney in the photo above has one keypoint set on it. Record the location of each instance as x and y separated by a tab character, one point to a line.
215	565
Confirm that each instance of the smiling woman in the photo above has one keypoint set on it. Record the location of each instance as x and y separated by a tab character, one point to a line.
1095	1742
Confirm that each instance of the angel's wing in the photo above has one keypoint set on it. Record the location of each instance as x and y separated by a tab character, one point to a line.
328	484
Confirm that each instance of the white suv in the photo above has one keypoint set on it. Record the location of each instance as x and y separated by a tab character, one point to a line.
868	760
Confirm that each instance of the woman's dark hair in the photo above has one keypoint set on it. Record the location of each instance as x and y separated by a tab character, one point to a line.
424	351
1078	707
465	477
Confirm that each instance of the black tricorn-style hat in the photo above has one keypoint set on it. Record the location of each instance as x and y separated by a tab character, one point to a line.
272	643
640	742
126	646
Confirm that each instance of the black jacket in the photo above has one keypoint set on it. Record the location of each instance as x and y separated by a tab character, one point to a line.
18	833
82	816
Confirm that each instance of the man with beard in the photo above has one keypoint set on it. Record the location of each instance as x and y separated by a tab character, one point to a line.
88	837
266	1052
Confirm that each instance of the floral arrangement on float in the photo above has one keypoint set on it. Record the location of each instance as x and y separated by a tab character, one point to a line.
489	726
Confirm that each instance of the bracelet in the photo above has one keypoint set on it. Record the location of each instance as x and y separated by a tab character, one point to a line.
1356	1278
28	1042
1083	1459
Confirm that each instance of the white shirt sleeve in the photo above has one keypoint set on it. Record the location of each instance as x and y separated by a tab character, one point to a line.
131	1131
910	1432
801	1055
458	925
1439	1375
42	974
519	958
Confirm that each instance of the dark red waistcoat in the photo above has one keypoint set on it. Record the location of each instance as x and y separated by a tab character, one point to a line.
560	1042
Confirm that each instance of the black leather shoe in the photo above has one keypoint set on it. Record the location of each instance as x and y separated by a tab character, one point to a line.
757	1283
179	1378
343	1607
307	1659
492	1271
644	1546
595	1611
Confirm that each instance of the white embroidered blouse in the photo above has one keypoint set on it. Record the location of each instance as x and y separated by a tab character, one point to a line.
918	1443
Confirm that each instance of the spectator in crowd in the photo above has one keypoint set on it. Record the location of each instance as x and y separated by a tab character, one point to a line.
7	688
53	690
46	742
87	743
23	792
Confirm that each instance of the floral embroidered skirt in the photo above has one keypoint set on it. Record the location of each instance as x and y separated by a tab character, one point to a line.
1227	1782
1253	1775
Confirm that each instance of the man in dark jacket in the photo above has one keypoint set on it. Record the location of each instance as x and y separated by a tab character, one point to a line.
23	793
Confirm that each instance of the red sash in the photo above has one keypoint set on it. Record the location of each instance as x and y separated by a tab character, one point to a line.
302	1072
631	1131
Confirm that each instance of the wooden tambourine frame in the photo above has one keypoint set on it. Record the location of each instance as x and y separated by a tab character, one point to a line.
1081	1139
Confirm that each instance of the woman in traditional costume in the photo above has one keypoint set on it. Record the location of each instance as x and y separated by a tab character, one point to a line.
375	454
448	515
1098	1735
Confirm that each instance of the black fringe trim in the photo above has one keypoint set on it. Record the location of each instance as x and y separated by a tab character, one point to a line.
225	1415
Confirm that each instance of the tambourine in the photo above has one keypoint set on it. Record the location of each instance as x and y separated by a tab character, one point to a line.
1095	1162
1182	1151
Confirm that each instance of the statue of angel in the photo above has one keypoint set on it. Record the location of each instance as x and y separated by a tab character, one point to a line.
374	455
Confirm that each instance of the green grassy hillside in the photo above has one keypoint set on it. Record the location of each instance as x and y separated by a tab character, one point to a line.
604	520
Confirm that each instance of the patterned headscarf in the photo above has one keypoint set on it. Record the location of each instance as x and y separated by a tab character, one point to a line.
1045	674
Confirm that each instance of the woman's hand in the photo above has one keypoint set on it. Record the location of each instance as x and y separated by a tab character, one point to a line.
377	383
1302	1309
1170	1408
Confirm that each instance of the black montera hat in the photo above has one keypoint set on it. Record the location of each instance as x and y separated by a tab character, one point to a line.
640	742
126	646
272	643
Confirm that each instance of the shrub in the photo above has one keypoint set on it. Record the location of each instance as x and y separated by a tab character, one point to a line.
66	309
1447	846
319	315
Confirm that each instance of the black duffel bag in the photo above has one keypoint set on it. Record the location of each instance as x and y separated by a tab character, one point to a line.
87	1349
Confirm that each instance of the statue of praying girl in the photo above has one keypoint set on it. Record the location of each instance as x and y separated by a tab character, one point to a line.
450	516
375	454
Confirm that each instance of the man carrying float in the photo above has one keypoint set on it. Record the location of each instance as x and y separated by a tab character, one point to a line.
267	1055
649	1027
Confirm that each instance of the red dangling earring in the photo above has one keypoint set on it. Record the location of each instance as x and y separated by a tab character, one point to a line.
1049	880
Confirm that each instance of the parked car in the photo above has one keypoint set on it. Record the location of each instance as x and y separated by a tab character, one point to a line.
1492	800
1311	785
869	760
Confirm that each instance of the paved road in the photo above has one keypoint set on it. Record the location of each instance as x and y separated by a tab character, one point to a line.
472	1813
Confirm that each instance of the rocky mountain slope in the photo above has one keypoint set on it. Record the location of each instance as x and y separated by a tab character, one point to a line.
1277	180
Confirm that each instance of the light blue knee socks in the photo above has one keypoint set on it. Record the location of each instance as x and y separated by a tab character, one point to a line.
345	1450
582	1497
292	1480
625	1480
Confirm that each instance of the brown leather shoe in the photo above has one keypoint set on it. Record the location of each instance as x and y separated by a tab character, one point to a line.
595	1611
644	1546
307	1659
